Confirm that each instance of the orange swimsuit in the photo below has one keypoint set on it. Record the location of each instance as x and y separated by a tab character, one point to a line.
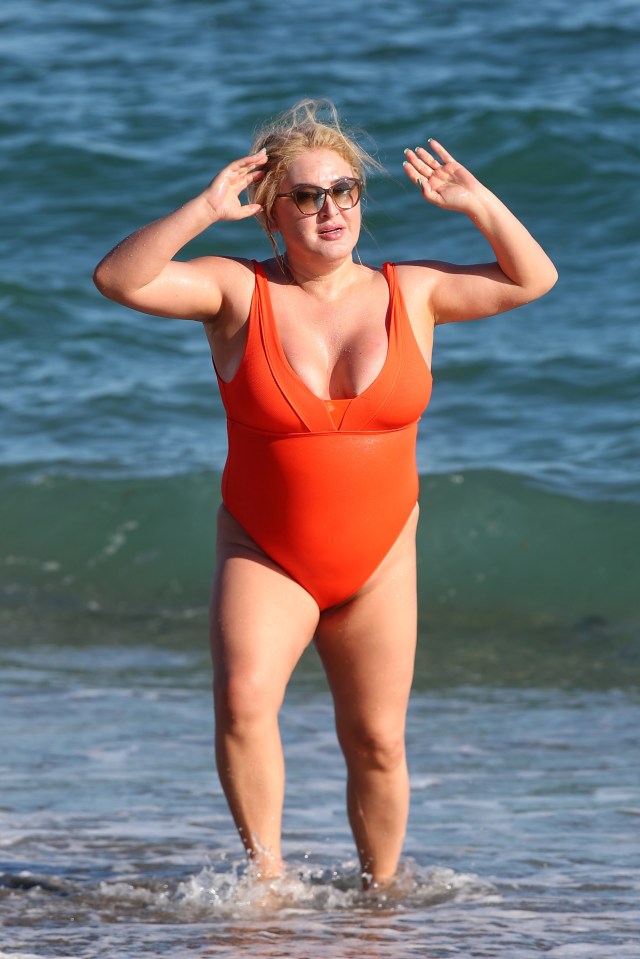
324	487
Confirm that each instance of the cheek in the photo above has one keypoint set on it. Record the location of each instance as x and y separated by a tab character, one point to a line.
294	228
354	219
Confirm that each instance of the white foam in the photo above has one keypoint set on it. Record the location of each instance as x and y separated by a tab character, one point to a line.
238	892
30	955
587	950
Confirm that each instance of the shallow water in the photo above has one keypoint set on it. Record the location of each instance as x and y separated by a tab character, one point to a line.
117	841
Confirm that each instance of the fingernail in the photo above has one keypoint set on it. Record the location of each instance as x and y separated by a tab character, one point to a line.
430	139
406	151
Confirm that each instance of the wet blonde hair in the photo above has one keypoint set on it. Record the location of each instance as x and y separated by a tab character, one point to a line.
309	125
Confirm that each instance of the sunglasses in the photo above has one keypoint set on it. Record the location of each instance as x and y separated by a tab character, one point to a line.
311	199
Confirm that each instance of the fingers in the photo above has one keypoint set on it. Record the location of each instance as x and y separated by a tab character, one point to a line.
245	169
256	160
440	150
249	161
224	192
425	157
249	171
411	171
431	170
419	166
249	209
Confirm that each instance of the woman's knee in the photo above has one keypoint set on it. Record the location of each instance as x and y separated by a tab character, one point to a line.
244	700
374	748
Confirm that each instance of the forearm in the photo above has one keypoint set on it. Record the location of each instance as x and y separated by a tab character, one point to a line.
141	257
524	271
518	254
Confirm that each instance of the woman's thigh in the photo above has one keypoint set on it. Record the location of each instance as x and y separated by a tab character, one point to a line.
261	620
368	644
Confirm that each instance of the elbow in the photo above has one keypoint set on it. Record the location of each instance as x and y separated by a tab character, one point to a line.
545	281
550	279
552	276
103	281
100	280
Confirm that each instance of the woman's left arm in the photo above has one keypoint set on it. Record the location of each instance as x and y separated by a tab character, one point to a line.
522	271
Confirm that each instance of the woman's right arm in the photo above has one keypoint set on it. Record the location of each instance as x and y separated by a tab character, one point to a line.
140	272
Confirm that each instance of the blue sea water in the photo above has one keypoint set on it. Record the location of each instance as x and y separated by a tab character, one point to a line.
523	731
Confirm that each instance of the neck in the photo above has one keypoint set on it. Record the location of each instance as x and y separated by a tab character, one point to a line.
326	279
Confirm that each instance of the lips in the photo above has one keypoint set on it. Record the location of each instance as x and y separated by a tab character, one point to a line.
331	232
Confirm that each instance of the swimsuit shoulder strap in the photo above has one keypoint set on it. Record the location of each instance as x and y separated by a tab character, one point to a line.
400	316
395	293
253	350
262	317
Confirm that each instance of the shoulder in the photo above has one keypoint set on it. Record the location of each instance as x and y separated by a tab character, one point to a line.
413	283
225	273
232	277
417	280
418	273
227	270
234	280
274	270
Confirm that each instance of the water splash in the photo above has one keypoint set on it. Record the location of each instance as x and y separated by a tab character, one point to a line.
238	892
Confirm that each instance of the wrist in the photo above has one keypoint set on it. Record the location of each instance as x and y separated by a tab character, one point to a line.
484	206
205	210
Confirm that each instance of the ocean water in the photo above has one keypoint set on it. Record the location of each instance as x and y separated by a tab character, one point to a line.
523	728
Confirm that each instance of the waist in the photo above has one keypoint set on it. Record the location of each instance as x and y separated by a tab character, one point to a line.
325	506
325	474
354	451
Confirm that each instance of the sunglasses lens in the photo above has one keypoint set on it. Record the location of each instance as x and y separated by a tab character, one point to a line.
309	200
346	193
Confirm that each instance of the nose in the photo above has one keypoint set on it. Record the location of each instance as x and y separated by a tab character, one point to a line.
329	207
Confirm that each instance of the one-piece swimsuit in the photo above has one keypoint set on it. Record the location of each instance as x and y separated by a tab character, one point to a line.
323	487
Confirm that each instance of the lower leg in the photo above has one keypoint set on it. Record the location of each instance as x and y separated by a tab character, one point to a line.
251	770
378	808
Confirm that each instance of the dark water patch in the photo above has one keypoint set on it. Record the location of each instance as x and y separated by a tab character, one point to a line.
516	584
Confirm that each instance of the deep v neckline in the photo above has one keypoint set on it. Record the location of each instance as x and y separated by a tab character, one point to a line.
299	394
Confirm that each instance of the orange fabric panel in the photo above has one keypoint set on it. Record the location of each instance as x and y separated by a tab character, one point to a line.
324	492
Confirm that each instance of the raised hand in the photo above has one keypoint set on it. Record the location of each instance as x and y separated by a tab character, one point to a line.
223	193
443	182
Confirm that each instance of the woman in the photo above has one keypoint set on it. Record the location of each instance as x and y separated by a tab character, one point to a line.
324	368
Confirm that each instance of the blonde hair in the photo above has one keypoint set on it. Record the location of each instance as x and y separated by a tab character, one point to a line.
309	125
